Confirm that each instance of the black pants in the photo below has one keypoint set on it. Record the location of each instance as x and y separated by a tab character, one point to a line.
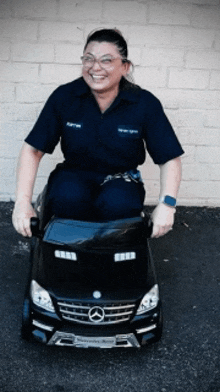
80	195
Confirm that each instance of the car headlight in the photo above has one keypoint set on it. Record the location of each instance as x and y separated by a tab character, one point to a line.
124	256
41	297
149	301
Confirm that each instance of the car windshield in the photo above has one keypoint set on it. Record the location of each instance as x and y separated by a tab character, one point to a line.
70	232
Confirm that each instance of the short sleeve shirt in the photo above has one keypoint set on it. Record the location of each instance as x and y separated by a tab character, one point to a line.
113	141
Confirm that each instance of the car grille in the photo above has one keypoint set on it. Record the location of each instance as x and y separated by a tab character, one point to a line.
102	314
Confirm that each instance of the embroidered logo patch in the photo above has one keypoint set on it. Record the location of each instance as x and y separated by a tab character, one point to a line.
74	125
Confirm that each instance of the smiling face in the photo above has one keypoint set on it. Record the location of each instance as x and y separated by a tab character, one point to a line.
100	78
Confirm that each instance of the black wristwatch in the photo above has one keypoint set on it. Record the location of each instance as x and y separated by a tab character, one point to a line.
168	200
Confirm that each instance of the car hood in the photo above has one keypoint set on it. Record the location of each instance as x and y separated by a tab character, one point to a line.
93	235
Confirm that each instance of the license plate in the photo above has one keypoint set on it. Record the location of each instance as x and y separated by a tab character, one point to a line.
88	341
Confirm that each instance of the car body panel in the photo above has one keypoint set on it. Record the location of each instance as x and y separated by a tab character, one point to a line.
95	297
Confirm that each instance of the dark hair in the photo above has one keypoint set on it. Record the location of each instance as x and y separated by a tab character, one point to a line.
113	36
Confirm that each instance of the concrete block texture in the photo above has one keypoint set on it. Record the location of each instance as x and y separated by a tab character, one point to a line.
60	31
33	93
68	53
7	92
32	52
18	29
74	10
162	57
174	46
215	80
4	51
170	13
205	59
130	11
192	37
206	16
34	9
189	79
59	73
18	72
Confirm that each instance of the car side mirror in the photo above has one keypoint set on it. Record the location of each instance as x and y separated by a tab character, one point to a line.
35	228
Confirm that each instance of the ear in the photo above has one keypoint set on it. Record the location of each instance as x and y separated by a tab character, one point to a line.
127	68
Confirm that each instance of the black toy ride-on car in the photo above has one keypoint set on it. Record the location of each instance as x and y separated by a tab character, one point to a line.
92	284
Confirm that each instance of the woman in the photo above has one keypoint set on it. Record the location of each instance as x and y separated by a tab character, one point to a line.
104	123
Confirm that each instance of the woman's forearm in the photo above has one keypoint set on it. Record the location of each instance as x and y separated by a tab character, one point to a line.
23	211
27	168
163	215
170	177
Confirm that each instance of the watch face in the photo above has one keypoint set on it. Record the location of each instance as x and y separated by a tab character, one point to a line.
171	201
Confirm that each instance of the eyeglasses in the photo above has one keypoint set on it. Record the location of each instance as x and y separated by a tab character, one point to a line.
105	62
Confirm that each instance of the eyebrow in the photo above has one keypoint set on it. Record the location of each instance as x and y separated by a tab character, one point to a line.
107	54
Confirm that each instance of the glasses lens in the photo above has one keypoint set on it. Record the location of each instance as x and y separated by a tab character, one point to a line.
106	62
87	61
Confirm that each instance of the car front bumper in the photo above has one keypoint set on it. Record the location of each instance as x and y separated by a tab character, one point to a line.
140	331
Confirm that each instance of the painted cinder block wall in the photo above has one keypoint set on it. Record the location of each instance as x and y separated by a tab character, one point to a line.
175	47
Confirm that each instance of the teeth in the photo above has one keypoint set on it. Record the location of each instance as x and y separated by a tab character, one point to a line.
97	77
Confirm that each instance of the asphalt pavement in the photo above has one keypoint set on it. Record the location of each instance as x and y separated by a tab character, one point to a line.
187	359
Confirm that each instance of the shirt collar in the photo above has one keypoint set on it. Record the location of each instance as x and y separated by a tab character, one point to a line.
82	87
128	91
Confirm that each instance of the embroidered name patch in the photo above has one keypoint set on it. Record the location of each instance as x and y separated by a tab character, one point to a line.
74	125
128	132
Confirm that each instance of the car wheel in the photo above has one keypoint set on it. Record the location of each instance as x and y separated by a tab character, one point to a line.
26	320
160	326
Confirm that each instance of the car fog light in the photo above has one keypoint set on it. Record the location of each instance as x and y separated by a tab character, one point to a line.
124	256
149	301
41	297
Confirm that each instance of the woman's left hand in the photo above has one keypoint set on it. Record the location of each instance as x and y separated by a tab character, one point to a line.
163	220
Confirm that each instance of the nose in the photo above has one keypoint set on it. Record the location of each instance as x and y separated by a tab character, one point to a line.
96	65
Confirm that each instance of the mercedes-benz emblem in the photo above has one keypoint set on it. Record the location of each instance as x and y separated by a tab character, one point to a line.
96	314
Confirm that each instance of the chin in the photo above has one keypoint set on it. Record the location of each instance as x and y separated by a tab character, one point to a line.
95	86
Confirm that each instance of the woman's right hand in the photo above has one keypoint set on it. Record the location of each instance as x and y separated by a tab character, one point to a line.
21	217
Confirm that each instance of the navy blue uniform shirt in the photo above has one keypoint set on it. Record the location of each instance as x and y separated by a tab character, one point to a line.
111	142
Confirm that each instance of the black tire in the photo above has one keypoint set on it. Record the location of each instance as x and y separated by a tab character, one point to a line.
26	320
159	327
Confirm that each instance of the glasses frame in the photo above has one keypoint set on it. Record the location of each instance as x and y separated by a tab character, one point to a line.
99	61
